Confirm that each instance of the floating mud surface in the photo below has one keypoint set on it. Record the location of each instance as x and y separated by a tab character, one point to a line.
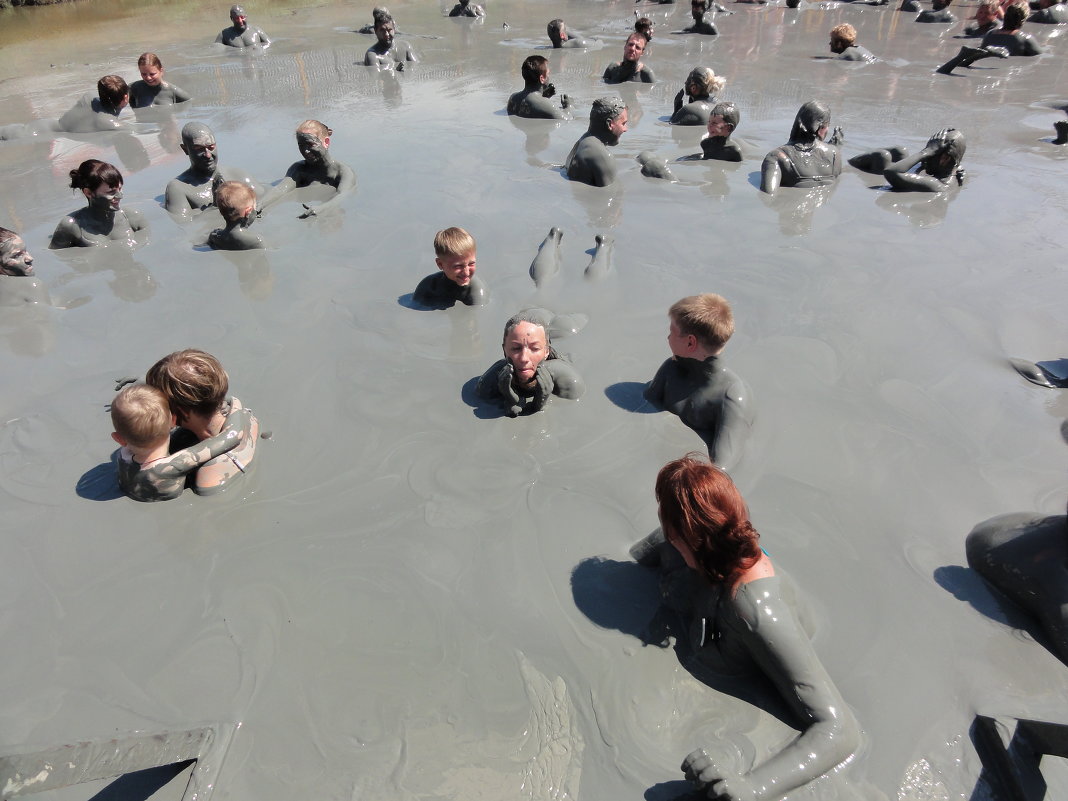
406	598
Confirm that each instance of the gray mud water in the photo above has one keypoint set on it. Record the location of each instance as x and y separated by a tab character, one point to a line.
405	600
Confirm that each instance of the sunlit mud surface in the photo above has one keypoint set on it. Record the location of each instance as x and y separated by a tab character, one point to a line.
403	599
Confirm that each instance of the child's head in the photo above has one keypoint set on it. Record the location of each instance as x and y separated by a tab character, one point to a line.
455	252
644	26
141	417
1015	14
704	82
193	381
723	119
113	91
706	317
842	37
235	200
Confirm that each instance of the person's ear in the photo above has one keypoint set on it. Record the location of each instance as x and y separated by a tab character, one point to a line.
440	265
86	192
326	141
691	342
184	148
118	438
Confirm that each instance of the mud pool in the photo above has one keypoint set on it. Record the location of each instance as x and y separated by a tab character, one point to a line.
405	600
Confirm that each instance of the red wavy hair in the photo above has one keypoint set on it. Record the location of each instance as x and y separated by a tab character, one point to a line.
701	508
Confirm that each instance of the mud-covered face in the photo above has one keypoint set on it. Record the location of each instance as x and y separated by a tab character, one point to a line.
458	269
312	148
633	49
238	17
526	347
698	9
838	45
202	153
14	258
153	76
719	127
385	33
617	127
105	198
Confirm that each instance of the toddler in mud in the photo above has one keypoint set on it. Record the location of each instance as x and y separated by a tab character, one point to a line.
196	388
455	254
694	383
147	470
237	204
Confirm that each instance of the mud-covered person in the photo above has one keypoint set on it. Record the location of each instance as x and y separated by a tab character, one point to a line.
240	33
142	420
533	100
237	205
531	371
388	52
696	385
196	387
589	160
317	167
631	68
456	254
102	221
152	90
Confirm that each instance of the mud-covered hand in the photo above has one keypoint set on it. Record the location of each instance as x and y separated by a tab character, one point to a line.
679	98
837	136
548	90
507	390
543	386
308	212
704	775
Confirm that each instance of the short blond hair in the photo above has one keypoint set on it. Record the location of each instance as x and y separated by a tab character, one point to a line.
141	415
315	128
453	242
191	380
707	317
846	32
232	198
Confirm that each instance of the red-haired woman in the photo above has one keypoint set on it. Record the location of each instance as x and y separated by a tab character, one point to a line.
742	616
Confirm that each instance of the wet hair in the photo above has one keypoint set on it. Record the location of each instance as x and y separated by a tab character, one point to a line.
534	317
534	67
453	242
644	26
1015	15
700	3
707	80
707	317
845	32
232	198
553	29
992	6
6	236
141	416
810	118
383	17
954	142
112	89
315	128
606	109
92	173
192	381
701	508
149	60
380	12
729	112
236	11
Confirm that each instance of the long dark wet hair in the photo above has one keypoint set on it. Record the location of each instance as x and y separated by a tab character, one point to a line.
701	508
91	173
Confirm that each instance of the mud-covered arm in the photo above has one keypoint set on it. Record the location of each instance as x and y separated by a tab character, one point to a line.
913	182
771	173
180	95
727	441
264	39
346	183
567	383
654	390
488	384
66	235
237	430
830	733
136	220
280	189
